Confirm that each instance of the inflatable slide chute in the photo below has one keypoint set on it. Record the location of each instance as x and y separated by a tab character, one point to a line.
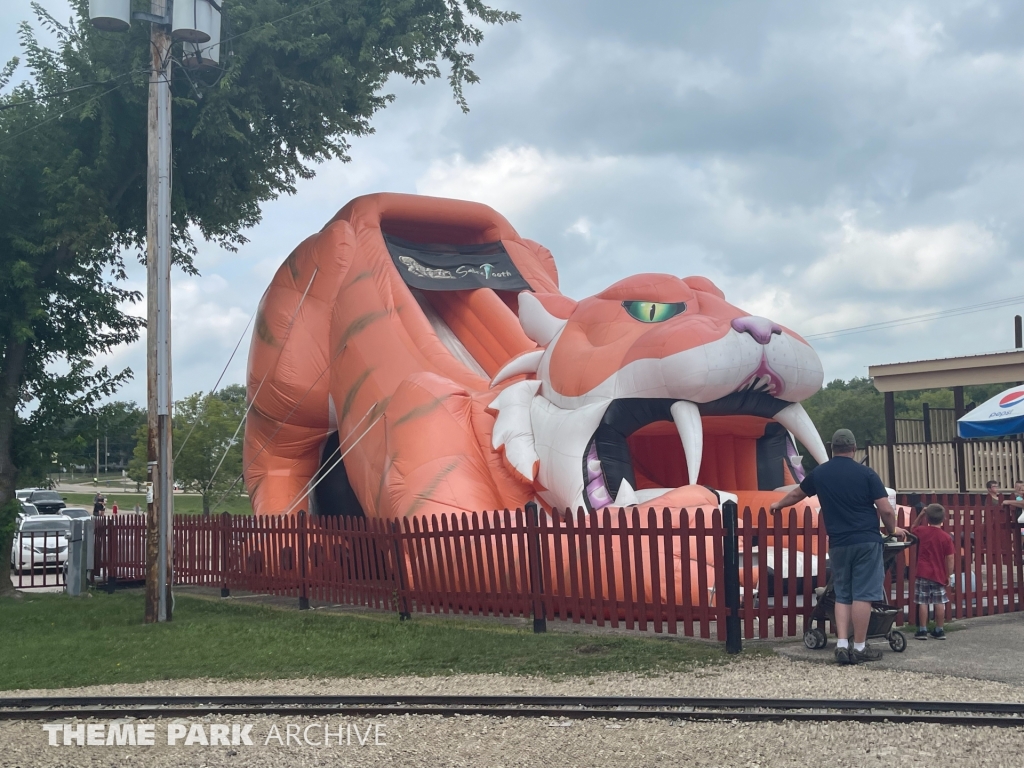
427	343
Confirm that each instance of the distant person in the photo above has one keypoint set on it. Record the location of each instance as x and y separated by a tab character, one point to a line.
994	494
138	509
113	508
1016	504
852	499
98	504
934	569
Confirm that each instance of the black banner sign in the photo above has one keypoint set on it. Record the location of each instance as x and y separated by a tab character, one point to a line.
431	267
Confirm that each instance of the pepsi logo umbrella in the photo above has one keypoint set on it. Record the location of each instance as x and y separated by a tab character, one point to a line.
997	416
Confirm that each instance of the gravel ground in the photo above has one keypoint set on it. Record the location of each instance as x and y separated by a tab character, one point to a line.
479	741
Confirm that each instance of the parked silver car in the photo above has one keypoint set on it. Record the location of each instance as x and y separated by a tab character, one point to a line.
27	510
40	541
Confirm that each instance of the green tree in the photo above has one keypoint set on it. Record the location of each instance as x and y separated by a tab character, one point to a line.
909	404
203	430
853	404
298	79
858	406
115	425
138	466
209	457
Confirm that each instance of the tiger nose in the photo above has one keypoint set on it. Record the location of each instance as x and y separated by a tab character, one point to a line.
761	329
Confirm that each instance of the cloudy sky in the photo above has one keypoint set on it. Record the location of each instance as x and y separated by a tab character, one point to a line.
828	165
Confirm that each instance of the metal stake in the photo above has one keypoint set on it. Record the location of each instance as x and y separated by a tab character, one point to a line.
731	564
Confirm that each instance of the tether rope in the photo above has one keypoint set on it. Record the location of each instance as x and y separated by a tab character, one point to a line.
215	386
323	474
288	335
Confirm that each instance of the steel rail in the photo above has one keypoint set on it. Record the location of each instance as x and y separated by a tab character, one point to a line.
566	707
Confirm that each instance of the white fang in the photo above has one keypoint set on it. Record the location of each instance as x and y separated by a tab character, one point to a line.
528	362
795	419
686	416
626	497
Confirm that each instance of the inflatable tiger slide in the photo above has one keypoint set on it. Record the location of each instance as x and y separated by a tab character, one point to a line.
427	343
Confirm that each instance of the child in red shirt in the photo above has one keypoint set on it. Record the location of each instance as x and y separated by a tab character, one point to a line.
934	569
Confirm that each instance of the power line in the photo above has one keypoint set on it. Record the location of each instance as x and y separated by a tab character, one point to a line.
61	114
914	319
45	96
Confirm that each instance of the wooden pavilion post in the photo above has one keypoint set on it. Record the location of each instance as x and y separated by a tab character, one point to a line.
890	437
958	442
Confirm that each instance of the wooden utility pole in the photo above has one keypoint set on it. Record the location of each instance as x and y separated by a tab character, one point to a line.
890	438
159	486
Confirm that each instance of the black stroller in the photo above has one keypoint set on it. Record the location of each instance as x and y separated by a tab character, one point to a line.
882	615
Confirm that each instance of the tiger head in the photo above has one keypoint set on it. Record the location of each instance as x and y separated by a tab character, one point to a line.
624	385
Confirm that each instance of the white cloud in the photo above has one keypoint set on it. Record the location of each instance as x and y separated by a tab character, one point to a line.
828	165
917	258
208	315
512	180
581	227
908	34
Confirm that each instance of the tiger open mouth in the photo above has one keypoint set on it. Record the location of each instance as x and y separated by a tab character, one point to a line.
627	461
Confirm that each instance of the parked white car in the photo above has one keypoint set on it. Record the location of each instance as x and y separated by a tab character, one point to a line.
40	541
76	513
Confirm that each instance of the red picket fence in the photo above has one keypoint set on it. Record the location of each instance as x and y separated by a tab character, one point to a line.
616	569
339	560
120	548
662	572
987	546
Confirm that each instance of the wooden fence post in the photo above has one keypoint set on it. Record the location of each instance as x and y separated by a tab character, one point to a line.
731	562
403	598
113	552
540	622
301	550
225	541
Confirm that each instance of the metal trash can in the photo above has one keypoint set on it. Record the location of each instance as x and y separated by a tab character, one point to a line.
80	557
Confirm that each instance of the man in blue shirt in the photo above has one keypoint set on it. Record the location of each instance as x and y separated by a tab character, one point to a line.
852	499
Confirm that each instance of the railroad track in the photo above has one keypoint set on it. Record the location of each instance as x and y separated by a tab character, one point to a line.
559	707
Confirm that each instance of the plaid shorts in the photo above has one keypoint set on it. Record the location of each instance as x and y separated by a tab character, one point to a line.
928	592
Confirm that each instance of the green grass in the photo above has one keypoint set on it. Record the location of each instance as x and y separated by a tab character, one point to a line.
52	641
183	504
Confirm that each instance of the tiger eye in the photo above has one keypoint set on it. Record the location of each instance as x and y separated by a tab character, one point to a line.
653	311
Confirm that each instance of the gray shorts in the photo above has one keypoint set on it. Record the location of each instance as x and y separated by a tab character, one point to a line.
857	572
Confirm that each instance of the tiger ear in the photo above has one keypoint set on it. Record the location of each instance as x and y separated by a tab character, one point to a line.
703	285
543	315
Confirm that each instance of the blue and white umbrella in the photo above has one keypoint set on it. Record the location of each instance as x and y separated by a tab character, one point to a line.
998	416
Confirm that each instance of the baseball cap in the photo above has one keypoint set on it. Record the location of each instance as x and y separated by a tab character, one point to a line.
843	441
